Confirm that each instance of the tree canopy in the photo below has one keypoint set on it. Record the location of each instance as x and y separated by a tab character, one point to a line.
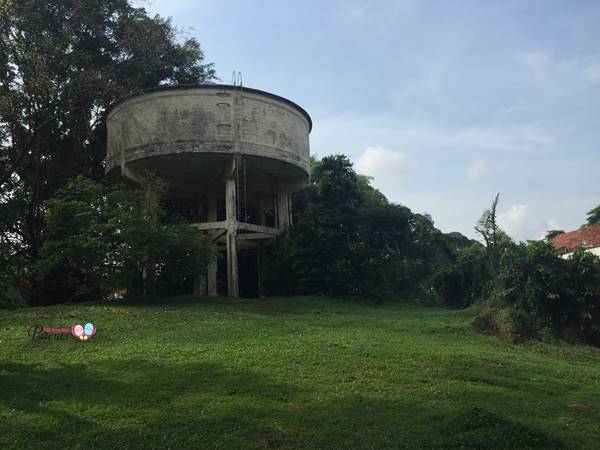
62	63
347	239
593	216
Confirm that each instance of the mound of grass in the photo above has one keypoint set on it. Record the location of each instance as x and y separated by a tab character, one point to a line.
288	373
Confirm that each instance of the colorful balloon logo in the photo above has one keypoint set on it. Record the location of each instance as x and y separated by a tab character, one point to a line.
83	333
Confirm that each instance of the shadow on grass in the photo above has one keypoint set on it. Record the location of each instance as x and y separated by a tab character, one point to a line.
148	404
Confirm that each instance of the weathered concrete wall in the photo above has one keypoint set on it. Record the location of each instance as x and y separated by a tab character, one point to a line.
208	119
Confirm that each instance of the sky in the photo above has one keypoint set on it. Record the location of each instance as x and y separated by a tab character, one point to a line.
444	103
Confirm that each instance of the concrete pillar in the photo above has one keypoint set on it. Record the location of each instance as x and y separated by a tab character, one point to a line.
211	279
232	228
233	289
200	284
283	210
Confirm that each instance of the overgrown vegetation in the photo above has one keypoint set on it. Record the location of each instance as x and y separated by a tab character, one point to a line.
62	63
100	237
593	216
348	240
65	237
527	290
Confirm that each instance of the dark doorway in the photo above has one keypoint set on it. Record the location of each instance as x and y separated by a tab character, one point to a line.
248	273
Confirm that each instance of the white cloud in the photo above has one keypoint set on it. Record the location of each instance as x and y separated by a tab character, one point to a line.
386	168
378	162
476	169
513	219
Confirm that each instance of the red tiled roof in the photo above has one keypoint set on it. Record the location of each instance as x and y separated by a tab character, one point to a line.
584	237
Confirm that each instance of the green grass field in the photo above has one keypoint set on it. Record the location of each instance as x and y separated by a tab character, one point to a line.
288	373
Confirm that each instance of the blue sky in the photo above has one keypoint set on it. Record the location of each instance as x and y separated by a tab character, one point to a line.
444	103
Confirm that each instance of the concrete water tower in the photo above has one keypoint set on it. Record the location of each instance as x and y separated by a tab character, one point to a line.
232	157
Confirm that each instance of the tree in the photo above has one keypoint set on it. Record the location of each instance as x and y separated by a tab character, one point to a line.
100	237
551	234
487	227
62	63
593	216
347	239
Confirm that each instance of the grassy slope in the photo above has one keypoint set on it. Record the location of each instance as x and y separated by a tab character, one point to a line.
289	373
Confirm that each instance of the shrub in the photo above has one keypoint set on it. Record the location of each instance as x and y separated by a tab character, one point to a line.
583	312
100	238
461	284
537	294
348	240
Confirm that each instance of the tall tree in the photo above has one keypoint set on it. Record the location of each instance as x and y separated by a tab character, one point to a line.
487	227
347	239
593	216
62	63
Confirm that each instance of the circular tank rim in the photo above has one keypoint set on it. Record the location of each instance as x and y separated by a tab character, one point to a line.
229	87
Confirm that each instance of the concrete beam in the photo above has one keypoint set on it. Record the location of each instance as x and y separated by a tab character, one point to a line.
203	226
258	228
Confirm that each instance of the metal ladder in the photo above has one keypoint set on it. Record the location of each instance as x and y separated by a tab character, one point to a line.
240	181
240	160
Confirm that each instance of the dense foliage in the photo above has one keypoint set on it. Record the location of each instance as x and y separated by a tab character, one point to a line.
593	216
99	238
526	290
62	63
347	239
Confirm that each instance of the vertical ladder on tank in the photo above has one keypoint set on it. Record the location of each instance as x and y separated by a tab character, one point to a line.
240	160
240	180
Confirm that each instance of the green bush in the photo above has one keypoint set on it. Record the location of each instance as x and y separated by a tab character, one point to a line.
461	284
348	240
583	312
537	294
100	238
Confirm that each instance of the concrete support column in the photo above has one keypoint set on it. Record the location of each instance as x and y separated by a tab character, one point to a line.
232	265
200	284
283	210
232	229
211	279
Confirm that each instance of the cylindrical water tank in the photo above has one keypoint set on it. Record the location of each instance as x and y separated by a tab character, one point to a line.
189	133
